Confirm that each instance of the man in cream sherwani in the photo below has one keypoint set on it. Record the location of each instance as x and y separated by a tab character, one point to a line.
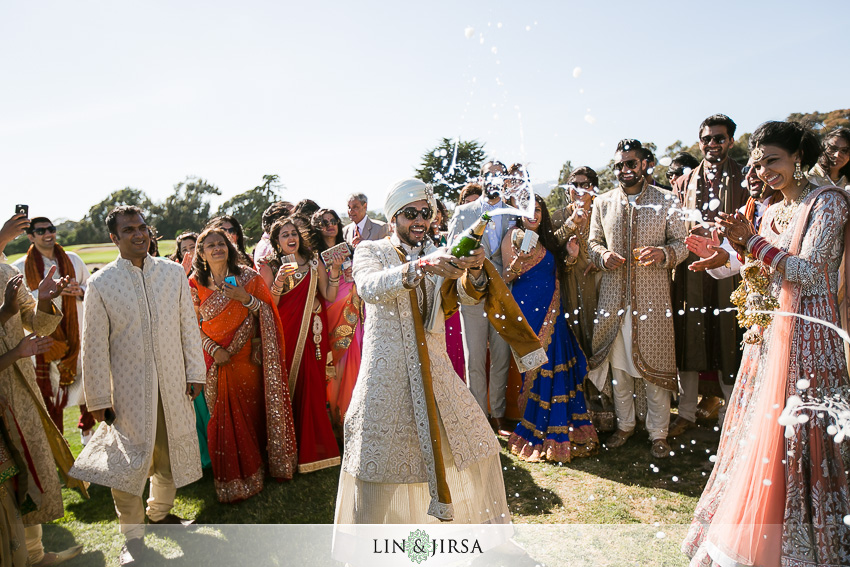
142	358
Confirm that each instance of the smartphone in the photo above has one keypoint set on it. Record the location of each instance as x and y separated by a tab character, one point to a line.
22	210
231	280
109	416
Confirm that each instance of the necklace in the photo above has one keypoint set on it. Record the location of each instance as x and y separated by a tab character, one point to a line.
786	210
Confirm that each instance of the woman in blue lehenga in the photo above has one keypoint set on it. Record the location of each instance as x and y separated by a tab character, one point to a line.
555	424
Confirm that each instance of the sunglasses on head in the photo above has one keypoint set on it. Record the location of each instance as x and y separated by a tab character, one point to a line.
41	230
718	139
833	149
325	223
410	213
631	164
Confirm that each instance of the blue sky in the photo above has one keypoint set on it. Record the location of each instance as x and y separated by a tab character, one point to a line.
341	97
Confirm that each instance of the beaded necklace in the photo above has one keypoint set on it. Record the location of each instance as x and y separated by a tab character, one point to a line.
786	210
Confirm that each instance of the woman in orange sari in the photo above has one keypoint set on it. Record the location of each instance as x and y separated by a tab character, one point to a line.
297	279
247	391
345	331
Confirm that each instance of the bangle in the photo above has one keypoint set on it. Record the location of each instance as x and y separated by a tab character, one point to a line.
276	289
210	346
253	304
571	260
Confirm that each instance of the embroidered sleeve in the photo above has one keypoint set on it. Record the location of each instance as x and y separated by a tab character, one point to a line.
190	335
822	244
95	352
376	282
675	251
597	245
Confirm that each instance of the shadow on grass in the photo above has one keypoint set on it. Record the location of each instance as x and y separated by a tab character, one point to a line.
525	496
58	537
685	472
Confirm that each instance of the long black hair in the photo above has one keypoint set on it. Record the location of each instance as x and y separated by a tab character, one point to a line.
844	134
304	248
317	236
201	269
216	222
792	137
178	254
544	231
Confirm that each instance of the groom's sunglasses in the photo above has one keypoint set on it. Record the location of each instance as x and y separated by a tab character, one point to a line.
410	213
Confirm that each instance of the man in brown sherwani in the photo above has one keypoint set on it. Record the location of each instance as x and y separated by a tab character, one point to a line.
636	238
706	342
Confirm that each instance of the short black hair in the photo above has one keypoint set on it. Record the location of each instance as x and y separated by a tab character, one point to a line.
112	217
630	144
791	137
33	222
587	172
495	162
719	120
685	160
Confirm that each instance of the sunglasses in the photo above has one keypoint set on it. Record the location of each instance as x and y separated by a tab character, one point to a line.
671	173
42	230
833	149
583	185
631	164
230	230
718	139
410	213
325	223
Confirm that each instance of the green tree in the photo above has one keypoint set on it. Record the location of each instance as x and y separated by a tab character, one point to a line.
188	208
558	198
450	166
92	228
248	207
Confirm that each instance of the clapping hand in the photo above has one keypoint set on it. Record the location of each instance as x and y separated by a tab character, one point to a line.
713	256
32	345
736	228
10	296
73	289
49	289
580	217
573	247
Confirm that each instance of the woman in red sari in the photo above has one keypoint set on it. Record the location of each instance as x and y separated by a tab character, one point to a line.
246	390
297	286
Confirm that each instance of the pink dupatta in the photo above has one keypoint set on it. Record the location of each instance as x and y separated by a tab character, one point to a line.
747	528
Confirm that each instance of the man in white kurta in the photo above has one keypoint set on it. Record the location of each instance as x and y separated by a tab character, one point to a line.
142	357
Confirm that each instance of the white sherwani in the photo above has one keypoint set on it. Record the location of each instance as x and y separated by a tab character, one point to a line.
388	462
140	341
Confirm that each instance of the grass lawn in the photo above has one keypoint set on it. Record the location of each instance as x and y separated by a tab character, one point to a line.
100	254
645	505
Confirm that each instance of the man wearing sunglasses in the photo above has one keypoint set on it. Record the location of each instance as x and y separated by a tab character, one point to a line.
707	343
636	239
477	332
59	371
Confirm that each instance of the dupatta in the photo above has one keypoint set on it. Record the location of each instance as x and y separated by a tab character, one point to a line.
747	528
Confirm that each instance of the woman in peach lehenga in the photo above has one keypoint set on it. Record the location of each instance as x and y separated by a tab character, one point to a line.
251	418
774	500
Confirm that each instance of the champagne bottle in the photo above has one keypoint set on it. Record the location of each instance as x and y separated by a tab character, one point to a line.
470	239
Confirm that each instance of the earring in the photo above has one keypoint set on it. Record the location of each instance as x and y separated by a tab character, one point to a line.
798	174
204	263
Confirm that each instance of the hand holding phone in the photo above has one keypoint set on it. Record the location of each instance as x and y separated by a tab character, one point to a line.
22	210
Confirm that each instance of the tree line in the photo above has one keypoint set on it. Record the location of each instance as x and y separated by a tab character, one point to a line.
448	167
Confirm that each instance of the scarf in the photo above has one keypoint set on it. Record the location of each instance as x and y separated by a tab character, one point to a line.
732	195
66	337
